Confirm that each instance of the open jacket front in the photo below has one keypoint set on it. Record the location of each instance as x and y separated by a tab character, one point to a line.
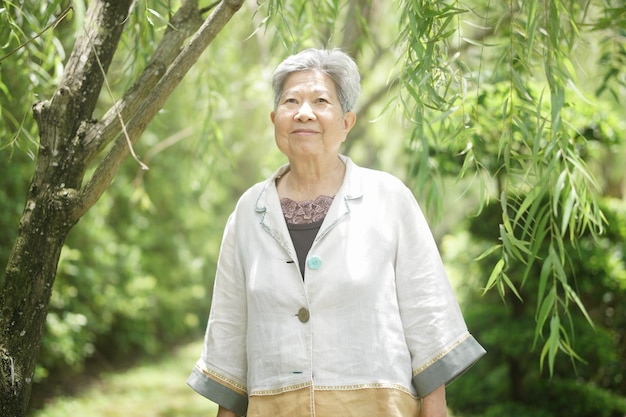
374	325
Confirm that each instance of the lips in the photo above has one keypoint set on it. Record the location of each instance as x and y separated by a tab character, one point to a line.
304	132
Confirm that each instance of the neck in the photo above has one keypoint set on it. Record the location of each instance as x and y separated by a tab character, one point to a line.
307	181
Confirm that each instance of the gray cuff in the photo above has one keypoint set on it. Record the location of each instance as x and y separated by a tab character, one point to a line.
218	393
449	367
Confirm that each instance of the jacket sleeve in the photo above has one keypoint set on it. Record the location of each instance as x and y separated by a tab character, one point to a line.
440	345
220	373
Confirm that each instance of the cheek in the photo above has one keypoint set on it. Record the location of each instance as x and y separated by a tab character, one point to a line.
279	126
281	120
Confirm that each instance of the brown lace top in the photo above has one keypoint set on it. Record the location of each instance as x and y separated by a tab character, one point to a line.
305	212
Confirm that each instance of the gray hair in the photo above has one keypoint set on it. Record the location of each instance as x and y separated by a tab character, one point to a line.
335	63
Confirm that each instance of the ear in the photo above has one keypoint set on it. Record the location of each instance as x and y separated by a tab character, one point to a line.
349	119
272	117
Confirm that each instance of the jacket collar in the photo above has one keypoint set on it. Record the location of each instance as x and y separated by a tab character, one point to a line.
272	220
351	188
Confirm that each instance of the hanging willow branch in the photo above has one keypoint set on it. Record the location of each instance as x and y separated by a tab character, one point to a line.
547	193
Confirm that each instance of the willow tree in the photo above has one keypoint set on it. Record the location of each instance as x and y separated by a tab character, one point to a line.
444	60
531	60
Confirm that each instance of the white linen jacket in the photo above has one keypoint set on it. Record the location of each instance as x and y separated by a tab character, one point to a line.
374	314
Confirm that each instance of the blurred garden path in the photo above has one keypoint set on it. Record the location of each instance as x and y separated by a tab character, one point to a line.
150	389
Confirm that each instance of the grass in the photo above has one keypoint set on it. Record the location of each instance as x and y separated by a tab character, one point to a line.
156	389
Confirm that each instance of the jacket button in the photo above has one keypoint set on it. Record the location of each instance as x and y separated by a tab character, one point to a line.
303	315
314	262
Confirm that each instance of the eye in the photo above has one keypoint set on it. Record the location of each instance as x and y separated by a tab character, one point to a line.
290	100
322	100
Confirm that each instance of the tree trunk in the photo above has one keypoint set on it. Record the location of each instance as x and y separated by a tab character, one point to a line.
69	140
25	294
48	214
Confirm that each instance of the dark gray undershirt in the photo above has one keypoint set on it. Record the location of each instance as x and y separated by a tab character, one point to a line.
302	236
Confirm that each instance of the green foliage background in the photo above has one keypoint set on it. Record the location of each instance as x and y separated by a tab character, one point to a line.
509	375
467	118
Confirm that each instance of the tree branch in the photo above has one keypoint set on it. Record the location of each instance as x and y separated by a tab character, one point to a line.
183	24
357	22
107	168
60	163
77	94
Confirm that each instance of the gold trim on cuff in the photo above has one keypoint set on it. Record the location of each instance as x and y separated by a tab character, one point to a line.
224	380
441	355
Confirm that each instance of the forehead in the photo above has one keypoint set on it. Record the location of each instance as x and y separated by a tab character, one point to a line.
309	81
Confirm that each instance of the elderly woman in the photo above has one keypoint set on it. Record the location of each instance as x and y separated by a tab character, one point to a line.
330	297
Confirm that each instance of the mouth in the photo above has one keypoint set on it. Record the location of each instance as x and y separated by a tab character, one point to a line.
304	132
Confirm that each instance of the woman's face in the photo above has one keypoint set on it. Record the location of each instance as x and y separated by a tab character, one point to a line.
308	120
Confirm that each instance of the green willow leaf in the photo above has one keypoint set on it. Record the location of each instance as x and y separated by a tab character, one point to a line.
511	286
551	346
569	291
569	208
495	275
544	311
488	252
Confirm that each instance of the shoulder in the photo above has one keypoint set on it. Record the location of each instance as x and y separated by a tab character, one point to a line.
243	216
383	193
376	181
381	177
370	175
249	199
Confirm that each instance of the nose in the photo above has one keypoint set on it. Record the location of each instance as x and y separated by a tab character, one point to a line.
305	113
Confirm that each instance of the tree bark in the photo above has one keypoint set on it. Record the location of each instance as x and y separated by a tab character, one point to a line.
47	217
69	141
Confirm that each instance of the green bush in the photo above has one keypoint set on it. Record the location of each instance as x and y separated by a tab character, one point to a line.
133	279
577	399
510	374
510	409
